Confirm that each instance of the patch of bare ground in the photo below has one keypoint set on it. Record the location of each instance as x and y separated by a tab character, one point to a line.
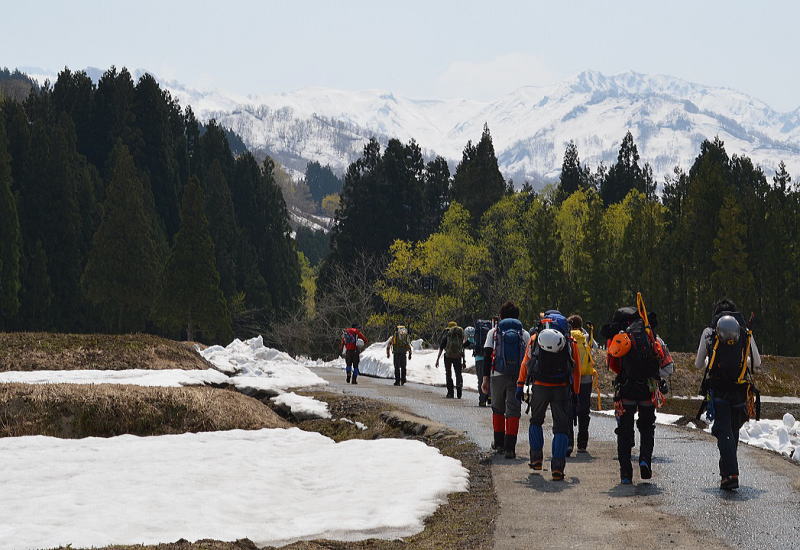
105	410
28	351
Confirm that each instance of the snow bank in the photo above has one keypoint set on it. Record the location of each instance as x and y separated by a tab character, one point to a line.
137	377
302	407
420	367
273	486
781	436
256	367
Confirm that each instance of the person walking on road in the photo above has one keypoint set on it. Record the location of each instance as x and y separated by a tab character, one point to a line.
352	342
728	354
400	345
482	363
452	345
642	363
551	369
584	342
505	348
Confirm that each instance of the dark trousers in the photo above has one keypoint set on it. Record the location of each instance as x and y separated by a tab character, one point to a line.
582	411
351	358
449	366
729	416
400	362
481	370
558	398
646	425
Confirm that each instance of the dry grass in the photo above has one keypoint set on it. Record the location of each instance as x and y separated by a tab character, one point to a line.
74	411
28	351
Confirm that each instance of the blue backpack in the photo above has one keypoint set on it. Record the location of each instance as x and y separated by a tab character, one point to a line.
509	347
558	321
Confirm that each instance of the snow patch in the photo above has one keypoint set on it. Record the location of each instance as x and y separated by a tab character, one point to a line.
136	377
273	486
781	436
357	424
301	406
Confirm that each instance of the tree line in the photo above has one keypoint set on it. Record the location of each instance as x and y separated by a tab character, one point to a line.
454	248
119	211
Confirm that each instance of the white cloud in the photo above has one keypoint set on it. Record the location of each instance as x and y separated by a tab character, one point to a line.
490	79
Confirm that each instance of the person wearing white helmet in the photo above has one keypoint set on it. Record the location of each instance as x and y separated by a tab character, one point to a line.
552	369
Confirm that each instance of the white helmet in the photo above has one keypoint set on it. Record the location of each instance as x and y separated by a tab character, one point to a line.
551	340
360	343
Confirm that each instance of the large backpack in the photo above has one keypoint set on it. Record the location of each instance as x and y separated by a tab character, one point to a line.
401	340
642	361
509	347
557	321
482	328
454	348
584	351
548	367
348	337
727	363
620	321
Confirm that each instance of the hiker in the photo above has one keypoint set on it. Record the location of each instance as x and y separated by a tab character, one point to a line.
552	370
452	345
400	345
505	349
585	344
352	350
729	355
642	363
482	363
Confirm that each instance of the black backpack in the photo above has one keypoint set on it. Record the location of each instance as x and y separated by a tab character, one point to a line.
482	328
548	367
620	321
641	362
727	363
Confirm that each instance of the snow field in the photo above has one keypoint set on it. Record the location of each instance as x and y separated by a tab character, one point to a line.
302	407
420	367
272	486
137	377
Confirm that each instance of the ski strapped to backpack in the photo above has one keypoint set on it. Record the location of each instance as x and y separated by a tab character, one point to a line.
657	398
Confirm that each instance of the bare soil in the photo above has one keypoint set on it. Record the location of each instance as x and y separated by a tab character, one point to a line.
29	351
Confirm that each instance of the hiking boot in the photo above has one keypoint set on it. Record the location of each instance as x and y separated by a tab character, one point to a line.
458	393
729	483
354	380
557	475
348	378
625	481
510	445
498	445
449	395
645	471
581	450
481	403
396	383
535	465
569	451
489	400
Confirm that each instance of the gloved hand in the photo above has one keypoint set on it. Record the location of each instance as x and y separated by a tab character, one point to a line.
519	393
663	386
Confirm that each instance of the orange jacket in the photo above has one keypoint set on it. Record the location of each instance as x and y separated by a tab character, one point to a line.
576	368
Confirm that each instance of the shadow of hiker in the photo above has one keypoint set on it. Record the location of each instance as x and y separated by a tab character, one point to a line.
581	457
500	460
538	482
743	494
642	489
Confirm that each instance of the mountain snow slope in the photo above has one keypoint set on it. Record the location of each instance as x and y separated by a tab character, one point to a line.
667	116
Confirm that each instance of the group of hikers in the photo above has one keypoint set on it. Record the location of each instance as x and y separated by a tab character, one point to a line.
552	365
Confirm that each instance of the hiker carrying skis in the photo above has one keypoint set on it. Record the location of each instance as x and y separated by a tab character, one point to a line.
551	369
729	355
505	347
452	345
350	344
642	364
400	345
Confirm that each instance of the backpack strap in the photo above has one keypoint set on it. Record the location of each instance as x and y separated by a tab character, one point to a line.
745	353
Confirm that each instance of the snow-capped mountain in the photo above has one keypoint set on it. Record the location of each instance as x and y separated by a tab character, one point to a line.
667	116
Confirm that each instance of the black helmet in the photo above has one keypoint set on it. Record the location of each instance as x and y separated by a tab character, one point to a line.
728	329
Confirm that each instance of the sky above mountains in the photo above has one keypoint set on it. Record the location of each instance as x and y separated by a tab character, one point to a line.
448	48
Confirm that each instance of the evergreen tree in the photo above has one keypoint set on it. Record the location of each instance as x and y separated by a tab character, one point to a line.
222	227
435	194
477	183
36	296
573	177
124	265
190	289
321	181
10	238
731	275
625	175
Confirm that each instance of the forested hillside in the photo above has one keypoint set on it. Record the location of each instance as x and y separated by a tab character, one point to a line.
120	212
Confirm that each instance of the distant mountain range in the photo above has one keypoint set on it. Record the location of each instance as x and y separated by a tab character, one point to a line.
667	116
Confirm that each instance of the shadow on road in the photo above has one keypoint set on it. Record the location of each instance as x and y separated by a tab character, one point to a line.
643	489
538	482
743	494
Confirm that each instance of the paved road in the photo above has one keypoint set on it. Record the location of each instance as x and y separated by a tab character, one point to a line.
681	506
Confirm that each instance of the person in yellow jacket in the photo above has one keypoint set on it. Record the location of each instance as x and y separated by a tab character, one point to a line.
585	344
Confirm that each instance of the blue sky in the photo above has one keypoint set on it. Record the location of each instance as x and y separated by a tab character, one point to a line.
416	48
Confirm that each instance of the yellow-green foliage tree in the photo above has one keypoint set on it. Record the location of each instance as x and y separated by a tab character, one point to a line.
431	282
